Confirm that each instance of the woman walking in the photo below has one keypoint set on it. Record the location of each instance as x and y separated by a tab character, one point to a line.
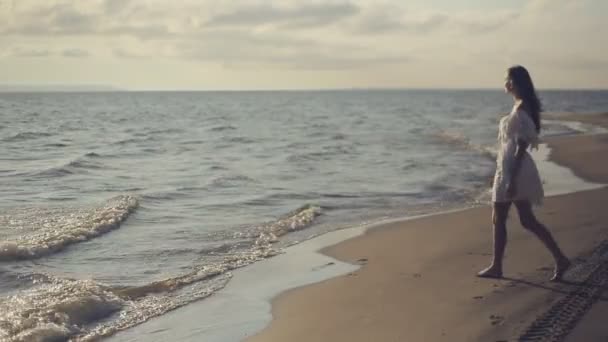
517	180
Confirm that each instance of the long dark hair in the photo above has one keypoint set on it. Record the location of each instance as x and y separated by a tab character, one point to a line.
524	89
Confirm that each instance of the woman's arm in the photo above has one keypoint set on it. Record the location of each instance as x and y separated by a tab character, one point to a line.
519	156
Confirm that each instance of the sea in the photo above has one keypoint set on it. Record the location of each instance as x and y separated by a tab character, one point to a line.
118	207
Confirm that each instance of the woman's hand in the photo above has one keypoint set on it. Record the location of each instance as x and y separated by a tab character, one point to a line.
511	190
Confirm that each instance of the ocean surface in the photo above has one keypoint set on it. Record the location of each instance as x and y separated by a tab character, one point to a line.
119	207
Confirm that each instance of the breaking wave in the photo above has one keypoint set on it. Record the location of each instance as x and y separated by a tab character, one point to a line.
22	136
36	232
58	309
461	141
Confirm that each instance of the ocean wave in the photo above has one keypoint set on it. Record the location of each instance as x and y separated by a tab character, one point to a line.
55	311
41	232
166	131
85	310
54	172
294	221
222	128
325	153
22	136
240	140
229	181
128	141
84	164
81	164
210	274
162	196
461	141
92	155
56	145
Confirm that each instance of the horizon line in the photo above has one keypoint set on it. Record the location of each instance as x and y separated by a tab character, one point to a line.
112	89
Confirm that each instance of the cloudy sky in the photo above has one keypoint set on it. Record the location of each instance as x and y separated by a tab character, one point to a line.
287	44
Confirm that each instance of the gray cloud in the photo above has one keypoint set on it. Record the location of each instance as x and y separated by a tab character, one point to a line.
240	49
31	53
428	24
389	21
378	23
123	53
115	6
67	20
325	61
75	53
151	31
73	23
57	19
302	16
239	45
488	24
580	64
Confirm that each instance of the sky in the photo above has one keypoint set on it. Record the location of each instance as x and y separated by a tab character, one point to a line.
297	44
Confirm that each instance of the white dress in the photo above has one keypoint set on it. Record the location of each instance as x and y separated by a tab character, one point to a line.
517	126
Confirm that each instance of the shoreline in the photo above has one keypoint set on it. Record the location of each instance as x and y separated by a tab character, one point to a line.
314	267
572	152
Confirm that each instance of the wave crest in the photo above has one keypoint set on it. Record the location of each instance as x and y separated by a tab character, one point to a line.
459	140
23	136
84	310
50	231
55	311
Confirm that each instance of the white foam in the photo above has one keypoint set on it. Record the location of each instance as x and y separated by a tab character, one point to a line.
243	306
579	126
55	311
558	180
43	231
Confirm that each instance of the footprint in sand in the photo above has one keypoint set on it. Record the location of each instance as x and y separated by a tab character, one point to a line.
496	319
323	266
362	261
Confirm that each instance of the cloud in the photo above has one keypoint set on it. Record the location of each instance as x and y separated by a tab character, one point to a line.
242	49
390	20
113	7
428	24
31	53
307	15
75	53
381	20
576	63
482	22
310	34
65	19
127	53
151	31
322	61
51	20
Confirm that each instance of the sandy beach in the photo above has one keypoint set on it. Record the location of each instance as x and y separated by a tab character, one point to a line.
418	283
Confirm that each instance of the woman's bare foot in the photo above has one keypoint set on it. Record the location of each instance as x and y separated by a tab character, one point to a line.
491	272
560	268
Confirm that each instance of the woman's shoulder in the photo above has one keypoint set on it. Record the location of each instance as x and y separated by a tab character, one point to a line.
521	113
519	108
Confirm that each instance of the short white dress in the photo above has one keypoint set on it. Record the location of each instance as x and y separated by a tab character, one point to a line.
518	125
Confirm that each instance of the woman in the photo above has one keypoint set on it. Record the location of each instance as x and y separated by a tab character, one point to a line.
517	180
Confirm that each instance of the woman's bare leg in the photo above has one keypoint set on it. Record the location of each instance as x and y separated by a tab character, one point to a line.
500	212
529	222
